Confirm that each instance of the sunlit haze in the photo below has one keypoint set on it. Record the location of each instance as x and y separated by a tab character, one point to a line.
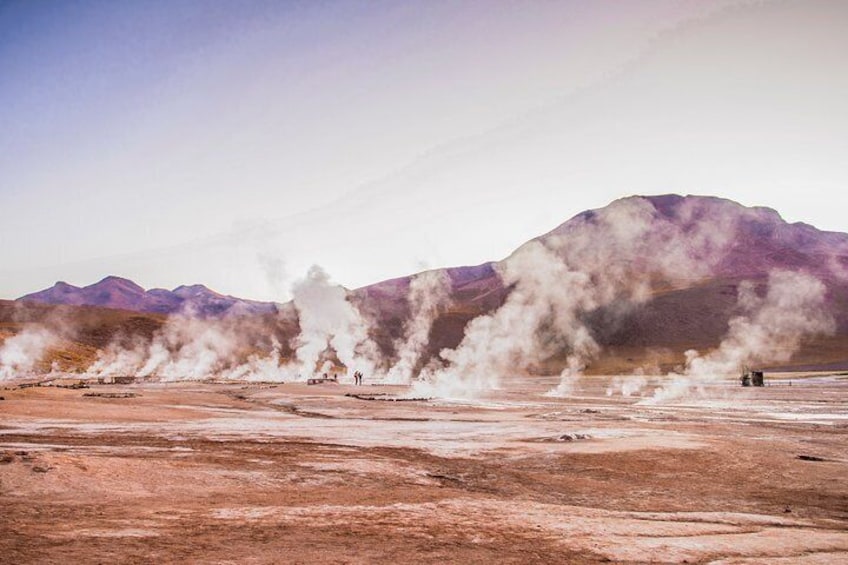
235	144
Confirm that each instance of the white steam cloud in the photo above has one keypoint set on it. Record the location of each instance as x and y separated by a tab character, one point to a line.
429	294
328	320
20	353
191	349
612	257
771	330
627	385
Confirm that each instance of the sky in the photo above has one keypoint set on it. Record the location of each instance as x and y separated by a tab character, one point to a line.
235	144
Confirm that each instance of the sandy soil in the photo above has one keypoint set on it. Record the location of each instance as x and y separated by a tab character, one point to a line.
238	473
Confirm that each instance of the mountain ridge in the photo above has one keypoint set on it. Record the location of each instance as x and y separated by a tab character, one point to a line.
123	294
779	244
693	313
689	315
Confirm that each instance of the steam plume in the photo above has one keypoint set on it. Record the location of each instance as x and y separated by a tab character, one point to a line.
328	320
428	295
189	348
614	256
20	353
192	348
771	330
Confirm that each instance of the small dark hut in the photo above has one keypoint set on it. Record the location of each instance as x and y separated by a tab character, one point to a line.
752	378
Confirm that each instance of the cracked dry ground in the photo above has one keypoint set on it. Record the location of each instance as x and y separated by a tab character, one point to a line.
208	473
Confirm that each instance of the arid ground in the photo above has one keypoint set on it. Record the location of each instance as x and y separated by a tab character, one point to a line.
290	473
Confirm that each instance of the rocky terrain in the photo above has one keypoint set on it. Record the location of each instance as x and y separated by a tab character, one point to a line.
253	473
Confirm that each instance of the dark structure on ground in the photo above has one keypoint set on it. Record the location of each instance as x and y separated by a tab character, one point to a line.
752	378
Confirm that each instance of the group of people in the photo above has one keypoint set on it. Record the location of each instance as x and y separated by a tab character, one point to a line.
357	378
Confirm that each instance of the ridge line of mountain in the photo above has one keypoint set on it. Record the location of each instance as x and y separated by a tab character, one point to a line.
763	241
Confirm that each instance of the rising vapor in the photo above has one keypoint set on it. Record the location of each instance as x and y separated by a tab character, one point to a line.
771	330
21	353
616	256
429	295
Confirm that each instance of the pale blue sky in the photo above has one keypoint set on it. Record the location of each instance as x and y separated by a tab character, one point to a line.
235	144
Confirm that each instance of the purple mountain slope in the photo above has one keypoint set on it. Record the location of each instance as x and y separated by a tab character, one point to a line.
757	241
754	242
123	294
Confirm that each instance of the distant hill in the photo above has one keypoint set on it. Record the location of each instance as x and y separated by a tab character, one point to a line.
123	294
